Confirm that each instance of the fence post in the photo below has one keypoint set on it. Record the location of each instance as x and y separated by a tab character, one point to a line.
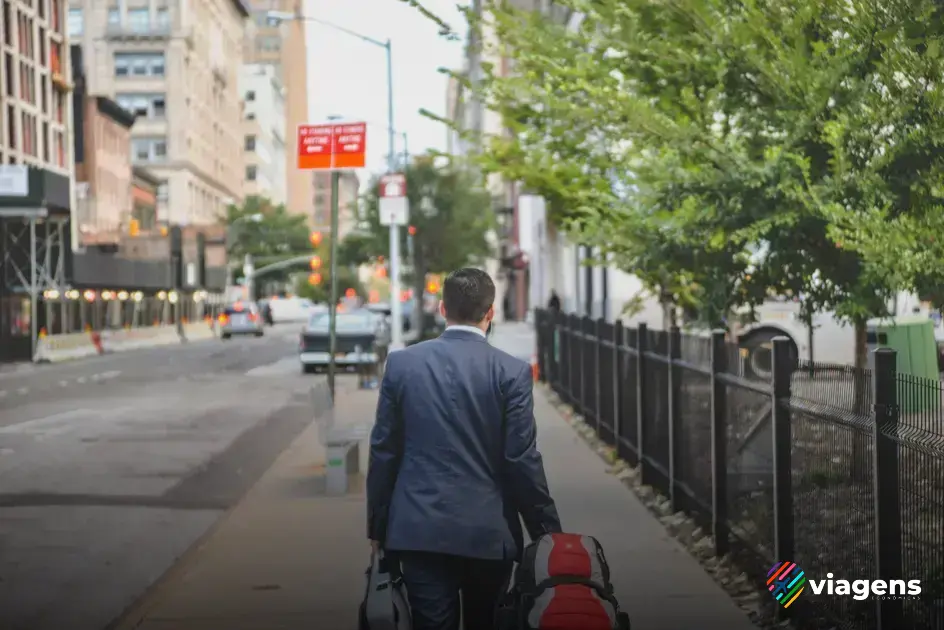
541	323
675	417
618	377
642	334
598	372
719	444
783	364
567	321
584	349
888	554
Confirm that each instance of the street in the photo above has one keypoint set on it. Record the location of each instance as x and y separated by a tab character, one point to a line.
112	467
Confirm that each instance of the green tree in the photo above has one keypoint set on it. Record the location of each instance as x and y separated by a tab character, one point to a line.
321	293
266	231
451	215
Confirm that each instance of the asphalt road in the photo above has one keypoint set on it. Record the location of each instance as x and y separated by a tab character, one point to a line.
112	467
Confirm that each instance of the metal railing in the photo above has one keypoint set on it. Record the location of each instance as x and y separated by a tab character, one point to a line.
838	470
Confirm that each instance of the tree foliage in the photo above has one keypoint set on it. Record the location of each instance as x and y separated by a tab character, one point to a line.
723	150
265	230
451	225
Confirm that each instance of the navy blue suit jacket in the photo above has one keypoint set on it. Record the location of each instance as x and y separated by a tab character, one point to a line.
453	458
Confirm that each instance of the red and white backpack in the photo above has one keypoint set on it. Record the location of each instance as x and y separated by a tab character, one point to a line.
562	583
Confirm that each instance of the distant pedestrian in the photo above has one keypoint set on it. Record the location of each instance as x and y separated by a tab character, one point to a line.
554	304
454	462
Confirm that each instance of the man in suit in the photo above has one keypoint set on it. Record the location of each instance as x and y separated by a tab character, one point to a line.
453	463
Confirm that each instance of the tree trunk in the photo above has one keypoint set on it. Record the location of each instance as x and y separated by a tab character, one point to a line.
861	382
669	314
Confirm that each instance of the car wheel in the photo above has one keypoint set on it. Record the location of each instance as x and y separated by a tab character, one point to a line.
757	355
309	369
225	336
259	333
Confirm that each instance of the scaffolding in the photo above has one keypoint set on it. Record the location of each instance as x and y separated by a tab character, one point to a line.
34	246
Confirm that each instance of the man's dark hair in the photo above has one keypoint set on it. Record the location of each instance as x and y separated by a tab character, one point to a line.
468	293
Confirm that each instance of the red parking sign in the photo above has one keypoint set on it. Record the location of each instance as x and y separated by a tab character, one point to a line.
332	146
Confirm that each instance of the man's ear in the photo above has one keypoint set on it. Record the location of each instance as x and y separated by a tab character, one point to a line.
442	308
491	313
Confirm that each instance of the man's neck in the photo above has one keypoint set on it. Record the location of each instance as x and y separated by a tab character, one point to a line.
466	327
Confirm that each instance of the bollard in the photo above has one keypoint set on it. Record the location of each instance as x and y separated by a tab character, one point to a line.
343	461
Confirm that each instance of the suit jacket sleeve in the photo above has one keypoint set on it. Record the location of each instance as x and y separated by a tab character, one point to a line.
523	463
386	451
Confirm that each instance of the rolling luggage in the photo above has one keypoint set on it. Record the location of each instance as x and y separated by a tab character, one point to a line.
561	583
385	605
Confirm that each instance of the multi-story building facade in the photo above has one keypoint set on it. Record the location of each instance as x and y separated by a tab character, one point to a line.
35	166
103	208
348	199
175	65
263	132
281	44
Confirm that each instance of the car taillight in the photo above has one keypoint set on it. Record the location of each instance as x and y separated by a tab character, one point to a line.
253	317
223	319
301	341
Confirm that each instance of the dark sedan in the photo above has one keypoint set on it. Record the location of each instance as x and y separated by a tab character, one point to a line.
360	341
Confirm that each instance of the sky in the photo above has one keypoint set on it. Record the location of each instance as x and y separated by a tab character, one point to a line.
348	77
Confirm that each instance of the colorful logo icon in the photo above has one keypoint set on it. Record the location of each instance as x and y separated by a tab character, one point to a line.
786	581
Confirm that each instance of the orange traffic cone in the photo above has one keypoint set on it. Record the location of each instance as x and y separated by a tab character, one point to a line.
535	369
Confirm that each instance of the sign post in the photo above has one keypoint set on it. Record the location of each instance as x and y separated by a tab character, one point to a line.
332	147
394	213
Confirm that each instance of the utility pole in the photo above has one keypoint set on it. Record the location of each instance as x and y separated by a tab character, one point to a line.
333	274
396	306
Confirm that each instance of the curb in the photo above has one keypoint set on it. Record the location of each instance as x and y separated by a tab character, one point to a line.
743	590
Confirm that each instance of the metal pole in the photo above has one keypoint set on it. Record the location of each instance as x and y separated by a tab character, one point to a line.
396	306
333	312
33	288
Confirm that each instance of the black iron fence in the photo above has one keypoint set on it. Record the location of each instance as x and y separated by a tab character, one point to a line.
838	470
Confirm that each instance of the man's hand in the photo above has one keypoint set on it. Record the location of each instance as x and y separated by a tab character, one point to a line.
375	546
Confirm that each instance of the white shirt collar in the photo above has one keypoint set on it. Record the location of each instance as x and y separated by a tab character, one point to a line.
472	329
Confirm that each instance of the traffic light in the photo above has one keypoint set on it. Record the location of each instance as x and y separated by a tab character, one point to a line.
315	262
135	228
432	284
412	230
314	279
315	238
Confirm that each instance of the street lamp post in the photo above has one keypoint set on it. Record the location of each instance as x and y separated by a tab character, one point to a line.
396	306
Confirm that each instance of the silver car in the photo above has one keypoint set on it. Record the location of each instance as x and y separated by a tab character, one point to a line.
241	318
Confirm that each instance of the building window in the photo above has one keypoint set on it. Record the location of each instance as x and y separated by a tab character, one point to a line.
163	19
251	173
75	22
250	143
250	116
250	96
114	16
162	191
139	64
139	20
152	106
148	149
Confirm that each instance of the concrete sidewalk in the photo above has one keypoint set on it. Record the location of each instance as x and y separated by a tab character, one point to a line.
289	557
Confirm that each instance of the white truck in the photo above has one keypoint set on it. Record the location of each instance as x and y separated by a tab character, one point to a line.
831	341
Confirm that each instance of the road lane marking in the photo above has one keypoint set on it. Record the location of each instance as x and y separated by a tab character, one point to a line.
63	383
23	391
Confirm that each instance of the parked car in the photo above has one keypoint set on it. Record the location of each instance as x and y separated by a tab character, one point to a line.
361	340
241	318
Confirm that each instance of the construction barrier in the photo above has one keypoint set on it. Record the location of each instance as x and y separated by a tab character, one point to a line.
57	348
197	331
136	338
